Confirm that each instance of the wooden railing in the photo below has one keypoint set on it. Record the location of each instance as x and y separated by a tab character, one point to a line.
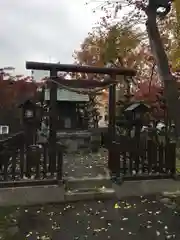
150	160
22	164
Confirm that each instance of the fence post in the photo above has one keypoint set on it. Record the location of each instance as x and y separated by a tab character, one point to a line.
171	157
60	161
151	155
111	125
22	158
161	157
52	123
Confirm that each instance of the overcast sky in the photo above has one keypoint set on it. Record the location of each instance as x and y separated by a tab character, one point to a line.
42	30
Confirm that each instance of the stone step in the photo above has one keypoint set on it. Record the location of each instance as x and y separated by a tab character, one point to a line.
89	194
91	183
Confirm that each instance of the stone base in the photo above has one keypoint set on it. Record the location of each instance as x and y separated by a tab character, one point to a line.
86	182
78	140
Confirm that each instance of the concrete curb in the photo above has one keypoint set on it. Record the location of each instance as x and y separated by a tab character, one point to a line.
146	187
20	196
90	195
23	196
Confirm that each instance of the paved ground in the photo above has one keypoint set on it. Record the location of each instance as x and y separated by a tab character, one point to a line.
85	165
133	218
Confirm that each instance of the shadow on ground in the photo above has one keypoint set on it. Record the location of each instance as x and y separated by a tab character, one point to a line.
136	218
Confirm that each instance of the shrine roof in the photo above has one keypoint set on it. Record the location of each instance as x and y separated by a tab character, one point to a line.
134	106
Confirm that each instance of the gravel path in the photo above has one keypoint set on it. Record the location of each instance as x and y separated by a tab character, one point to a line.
136	218
85	164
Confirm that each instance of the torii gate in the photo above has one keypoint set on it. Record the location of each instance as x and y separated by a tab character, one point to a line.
54	68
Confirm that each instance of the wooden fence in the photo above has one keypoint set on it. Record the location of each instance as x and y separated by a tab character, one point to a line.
148	161
22	164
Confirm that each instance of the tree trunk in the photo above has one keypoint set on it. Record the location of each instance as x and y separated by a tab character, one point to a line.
170	83
177	9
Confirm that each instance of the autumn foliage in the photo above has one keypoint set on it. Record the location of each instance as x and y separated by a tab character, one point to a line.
120	39
13	92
